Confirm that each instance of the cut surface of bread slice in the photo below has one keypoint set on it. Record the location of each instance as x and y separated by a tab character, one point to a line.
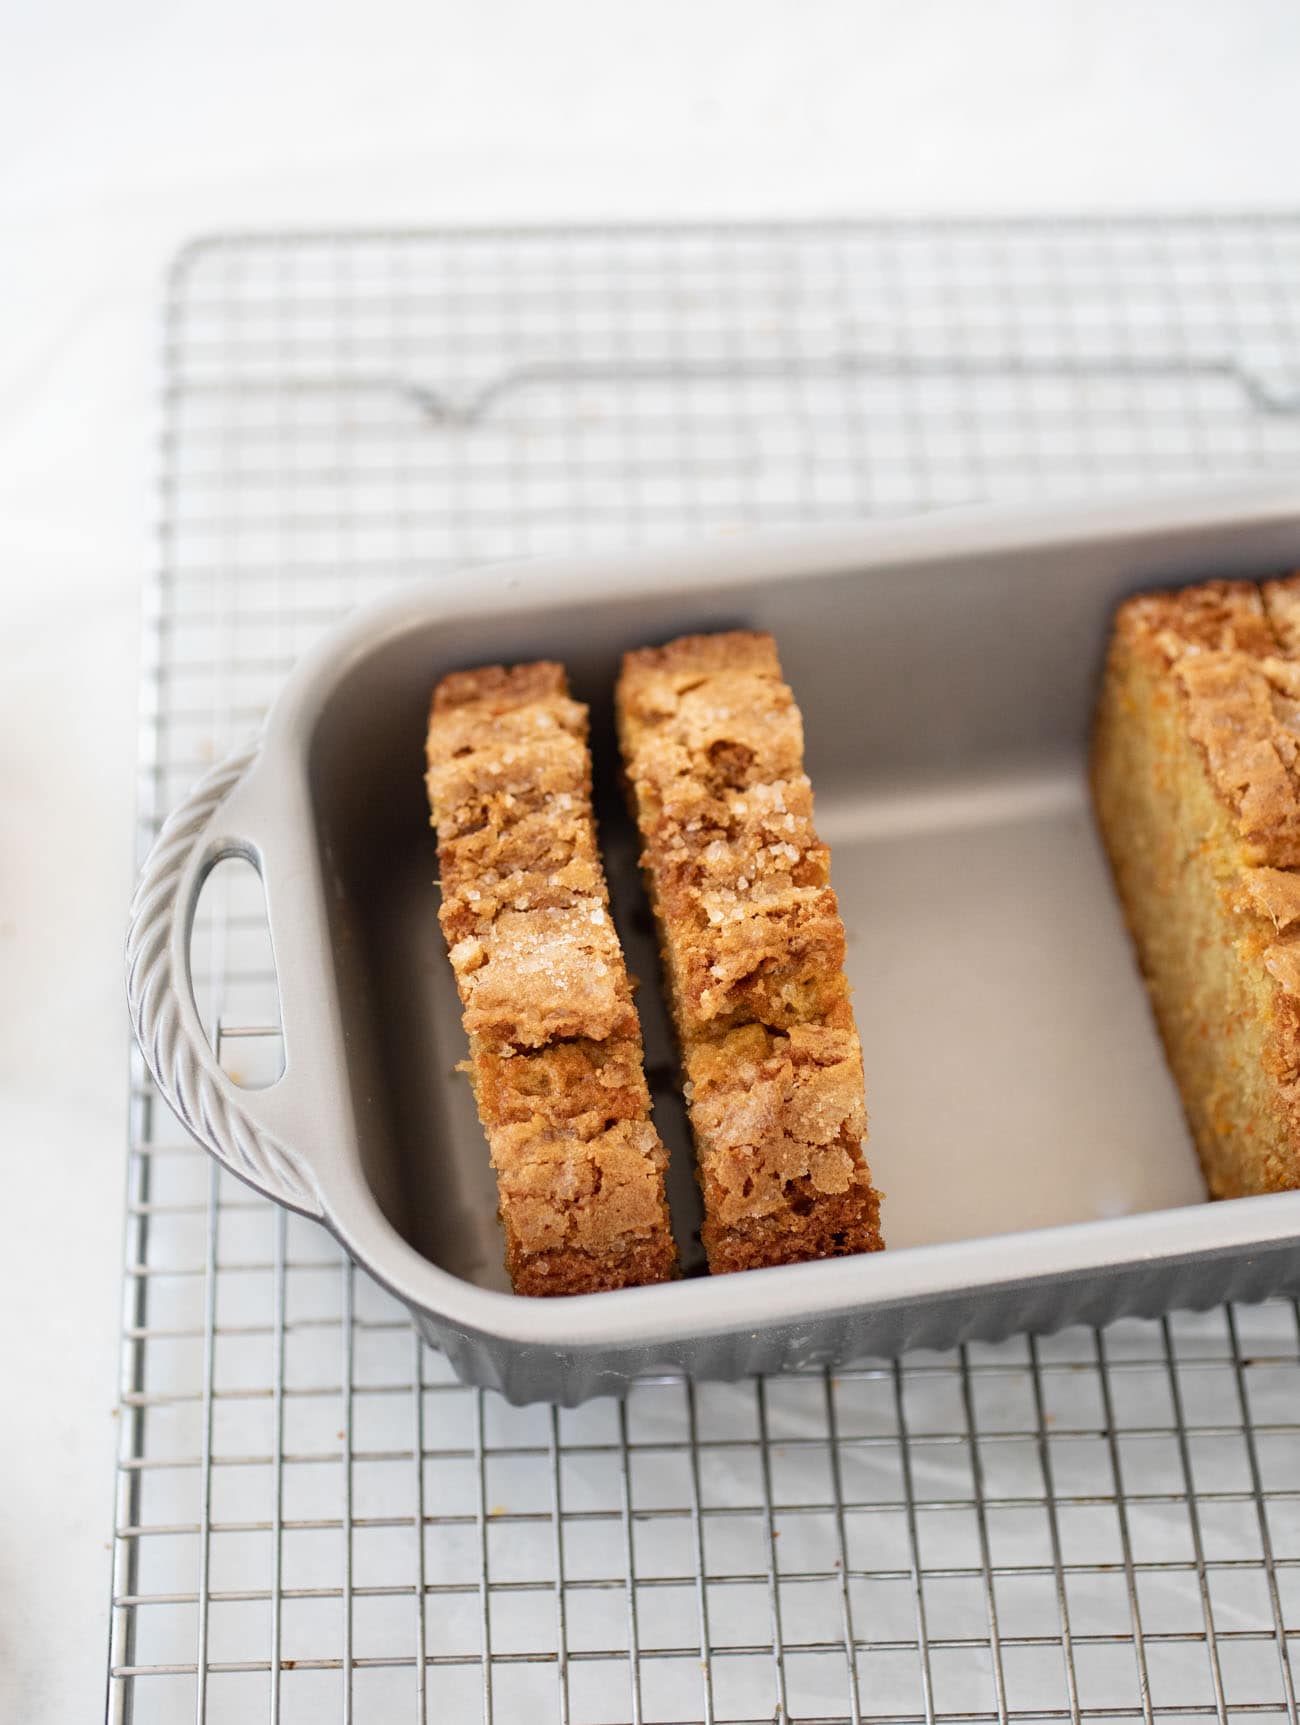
1196	785
555	1043
753	950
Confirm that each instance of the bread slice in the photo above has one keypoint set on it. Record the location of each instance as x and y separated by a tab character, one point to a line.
753	950
555	1043
1196	783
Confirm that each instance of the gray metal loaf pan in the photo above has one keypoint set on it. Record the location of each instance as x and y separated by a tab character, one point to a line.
1029	1141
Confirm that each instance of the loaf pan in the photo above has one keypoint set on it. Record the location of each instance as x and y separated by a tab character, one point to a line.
1025	1131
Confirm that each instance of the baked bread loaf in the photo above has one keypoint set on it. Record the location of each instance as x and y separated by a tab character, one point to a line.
1196	783
753	950
555	1043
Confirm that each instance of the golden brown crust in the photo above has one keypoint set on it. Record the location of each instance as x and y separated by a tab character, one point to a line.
753	949
1274	893
1214	616
1242	701
525	909
808	1226
1282	604
555	1044
577	1272
501	687
713	749
1196	777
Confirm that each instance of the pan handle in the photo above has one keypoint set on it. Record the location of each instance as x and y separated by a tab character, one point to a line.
233	1123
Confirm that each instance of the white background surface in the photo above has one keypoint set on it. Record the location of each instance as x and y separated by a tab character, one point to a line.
125	129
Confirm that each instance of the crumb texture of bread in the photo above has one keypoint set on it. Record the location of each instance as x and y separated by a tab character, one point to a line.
753	950
555	1043
1196	785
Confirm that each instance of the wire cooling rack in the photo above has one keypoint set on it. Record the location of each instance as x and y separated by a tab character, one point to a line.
314	1521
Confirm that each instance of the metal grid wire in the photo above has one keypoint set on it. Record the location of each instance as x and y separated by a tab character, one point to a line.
314	1521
